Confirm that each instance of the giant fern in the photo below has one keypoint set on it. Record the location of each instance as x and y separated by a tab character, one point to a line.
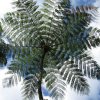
49	44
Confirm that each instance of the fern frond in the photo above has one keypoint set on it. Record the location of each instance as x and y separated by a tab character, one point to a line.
86	64
4	50
55	84
70	72
29	89
12	80
25	17
58	31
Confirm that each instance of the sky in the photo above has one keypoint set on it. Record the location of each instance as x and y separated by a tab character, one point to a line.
14	92
82	2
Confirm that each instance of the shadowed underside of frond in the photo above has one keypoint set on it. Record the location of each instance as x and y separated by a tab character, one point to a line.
4	49
26	62
75	45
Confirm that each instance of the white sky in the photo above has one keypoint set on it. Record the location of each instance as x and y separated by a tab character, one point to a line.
5	6
14	92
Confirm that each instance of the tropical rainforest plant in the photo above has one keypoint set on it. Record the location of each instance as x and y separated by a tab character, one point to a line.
49	44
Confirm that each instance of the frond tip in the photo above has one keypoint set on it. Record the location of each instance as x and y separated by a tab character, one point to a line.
12	80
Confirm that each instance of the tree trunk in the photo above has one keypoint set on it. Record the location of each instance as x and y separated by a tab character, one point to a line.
40	91
40	78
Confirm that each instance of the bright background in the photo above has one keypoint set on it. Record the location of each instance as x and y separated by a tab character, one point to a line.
14	92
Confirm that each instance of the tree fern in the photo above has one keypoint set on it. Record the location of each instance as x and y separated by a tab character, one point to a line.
49	43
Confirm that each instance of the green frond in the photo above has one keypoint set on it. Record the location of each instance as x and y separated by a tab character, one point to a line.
70	72
4	49
55	84
58	31
0	29
86	64
29	89
12	80
66	3
20	20
25	62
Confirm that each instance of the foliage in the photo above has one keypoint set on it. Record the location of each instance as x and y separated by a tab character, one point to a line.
49	43
4	50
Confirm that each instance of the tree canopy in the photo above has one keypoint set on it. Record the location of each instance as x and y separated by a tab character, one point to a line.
49	44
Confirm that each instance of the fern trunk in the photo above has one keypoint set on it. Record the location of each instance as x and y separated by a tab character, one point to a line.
40	91
41	76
